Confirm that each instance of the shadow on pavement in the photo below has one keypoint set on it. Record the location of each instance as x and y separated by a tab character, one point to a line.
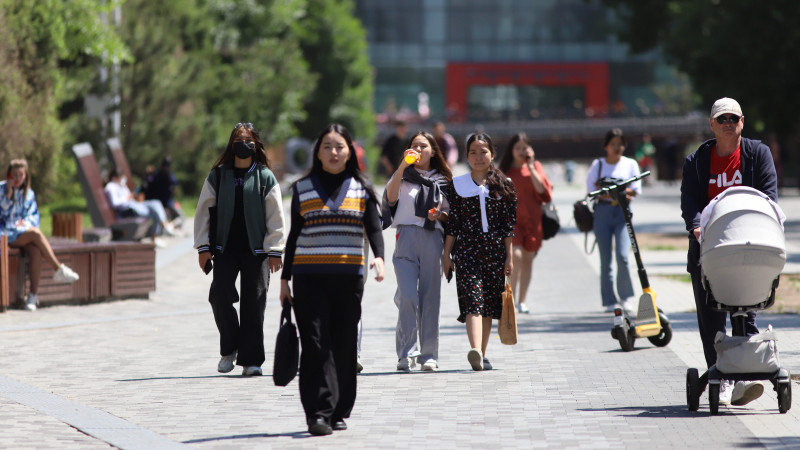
193	378
295	435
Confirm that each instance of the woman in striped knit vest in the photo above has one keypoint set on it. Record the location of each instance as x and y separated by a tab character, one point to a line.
333	209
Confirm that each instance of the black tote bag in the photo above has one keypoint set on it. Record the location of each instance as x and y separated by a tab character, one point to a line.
287	349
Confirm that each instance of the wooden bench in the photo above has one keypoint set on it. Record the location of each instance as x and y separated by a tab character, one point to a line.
128	229
108	270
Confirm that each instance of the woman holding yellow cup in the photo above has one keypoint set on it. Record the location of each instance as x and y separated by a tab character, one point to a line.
414	203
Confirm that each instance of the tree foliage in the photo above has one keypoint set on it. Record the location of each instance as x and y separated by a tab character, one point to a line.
735	48
334	45
37	40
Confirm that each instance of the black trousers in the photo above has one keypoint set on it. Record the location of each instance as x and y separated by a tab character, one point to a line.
709	320
246	335
328	308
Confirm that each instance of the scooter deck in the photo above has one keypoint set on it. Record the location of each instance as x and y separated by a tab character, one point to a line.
647	320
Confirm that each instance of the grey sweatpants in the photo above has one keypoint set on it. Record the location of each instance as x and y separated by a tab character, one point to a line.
418	267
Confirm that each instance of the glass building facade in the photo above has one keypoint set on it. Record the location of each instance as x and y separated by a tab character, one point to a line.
506	59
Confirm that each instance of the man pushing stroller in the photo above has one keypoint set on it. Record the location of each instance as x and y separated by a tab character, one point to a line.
725	161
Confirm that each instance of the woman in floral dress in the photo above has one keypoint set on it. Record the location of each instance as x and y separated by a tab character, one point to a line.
483	207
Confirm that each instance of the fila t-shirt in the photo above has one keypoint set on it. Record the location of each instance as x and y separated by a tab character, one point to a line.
726	171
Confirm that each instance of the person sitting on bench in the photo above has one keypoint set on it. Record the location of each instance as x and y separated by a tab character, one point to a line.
125	205
19	220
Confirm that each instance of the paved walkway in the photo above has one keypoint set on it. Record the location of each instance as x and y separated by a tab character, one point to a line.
142	373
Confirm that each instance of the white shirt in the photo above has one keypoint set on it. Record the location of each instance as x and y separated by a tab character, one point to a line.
118	195
406	199
624	169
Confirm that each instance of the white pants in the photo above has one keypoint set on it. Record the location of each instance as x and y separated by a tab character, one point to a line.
418	267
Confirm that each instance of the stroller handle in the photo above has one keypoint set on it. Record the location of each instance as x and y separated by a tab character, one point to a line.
622	184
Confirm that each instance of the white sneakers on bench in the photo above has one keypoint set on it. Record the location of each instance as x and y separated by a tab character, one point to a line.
65	275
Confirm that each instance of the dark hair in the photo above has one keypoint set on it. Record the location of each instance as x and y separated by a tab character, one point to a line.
508	156
19	164
260	154
351	166
437	159
611	134
498	183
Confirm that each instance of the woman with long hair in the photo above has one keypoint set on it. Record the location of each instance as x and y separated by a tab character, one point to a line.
414	203
333	210
533	188
239	225
483	209
19	217
609	223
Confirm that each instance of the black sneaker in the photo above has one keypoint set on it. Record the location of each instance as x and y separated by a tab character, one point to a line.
320	427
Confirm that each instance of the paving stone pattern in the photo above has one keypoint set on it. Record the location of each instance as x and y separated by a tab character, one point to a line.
149	368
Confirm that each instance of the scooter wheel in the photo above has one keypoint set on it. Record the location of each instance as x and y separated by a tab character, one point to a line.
693	389
665	335
626	340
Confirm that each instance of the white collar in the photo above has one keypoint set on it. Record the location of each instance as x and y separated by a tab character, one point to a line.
465	187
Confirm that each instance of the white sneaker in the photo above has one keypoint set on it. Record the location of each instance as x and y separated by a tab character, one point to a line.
31	301
159	242
406	364
745	392
65	275
627	305
523	308
486	364
609	308
725	391
226	363
169	230
252	371
430	366
475	359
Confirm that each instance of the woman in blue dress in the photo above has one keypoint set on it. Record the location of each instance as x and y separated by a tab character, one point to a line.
19	220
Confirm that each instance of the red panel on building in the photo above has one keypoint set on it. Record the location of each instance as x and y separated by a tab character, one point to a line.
593	77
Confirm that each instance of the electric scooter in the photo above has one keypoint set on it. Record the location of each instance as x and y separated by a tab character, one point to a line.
650	322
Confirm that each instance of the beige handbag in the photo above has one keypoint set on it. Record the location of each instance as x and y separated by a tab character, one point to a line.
507	325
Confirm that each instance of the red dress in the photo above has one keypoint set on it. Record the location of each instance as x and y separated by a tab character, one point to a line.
528	230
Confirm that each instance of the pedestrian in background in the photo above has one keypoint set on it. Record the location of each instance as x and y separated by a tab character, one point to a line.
19	220
719	163
415	205
483	208
162	185
248	242
333	209
533	188
125	204
610	230
393	148
446	142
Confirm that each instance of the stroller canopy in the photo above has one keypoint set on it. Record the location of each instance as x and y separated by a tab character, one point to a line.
743	248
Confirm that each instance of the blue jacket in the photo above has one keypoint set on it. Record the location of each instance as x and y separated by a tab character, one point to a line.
758	171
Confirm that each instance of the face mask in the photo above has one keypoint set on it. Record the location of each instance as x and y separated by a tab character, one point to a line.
244	150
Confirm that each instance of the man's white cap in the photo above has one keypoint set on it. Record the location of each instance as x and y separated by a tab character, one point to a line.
726	105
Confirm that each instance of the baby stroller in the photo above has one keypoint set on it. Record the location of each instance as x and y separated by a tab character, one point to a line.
742	253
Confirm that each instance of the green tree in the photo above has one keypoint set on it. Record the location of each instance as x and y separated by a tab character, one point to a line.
37	41
200	67
334	45
735	48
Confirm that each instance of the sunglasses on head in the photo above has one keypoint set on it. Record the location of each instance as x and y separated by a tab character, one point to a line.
247	125
732	118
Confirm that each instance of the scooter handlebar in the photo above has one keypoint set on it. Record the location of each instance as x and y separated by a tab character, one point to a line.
625	183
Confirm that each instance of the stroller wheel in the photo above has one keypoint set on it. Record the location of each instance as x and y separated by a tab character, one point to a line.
713	398
784	397
665	335
692	389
